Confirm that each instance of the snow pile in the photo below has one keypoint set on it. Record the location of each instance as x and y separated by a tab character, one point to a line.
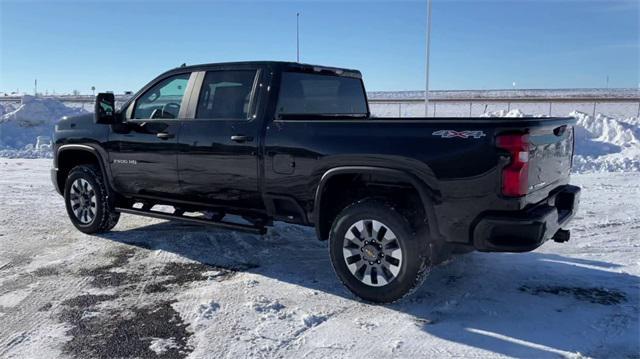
504	113
603	144
510	113
621	132
30	124
606	144
7	107
28	151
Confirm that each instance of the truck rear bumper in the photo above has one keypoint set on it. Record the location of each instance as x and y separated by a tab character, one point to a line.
526	230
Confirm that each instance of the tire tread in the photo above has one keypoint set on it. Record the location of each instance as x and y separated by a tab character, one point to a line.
419	235
108	216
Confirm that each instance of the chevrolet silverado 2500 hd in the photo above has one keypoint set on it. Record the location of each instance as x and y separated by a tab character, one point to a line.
276	141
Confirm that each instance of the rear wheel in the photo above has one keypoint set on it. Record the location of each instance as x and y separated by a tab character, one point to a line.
376	253
87	200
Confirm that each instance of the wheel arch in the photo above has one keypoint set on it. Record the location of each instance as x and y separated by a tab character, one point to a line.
323	218
71	155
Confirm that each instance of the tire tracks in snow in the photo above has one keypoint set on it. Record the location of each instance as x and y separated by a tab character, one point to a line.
14	324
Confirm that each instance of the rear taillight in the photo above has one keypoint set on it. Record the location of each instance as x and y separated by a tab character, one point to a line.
515	176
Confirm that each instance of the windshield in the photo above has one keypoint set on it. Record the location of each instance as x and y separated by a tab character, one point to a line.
314	94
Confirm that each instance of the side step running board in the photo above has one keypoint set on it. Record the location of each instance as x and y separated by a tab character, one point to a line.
161	215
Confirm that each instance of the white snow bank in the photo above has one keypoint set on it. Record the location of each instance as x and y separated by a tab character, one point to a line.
511	113
28	151
33	118
621	132
603	144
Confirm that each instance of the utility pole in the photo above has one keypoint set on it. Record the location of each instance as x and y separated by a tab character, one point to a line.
297	37
426	92
35	87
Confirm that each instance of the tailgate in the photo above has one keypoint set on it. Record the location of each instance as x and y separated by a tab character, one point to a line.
550	156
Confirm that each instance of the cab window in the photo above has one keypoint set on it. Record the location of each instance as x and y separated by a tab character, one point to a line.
226	95
163	100
317	94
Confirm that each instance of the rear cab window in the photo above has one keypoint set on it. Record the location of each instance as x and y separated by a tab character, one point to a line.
308	95
226	95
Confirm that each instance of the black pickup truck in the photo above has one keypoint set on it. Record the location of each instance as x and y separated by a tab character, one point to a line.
240	145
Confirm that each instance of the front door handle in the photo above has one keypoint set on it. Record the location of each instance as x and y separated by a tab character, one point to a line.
241	138
165	136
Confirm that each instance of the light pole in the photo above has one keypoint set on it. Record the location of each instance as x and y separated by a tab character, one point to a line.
426	92
297	37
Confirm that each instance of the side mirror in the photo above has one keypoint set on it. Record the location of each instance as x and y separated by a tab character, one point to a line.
104	110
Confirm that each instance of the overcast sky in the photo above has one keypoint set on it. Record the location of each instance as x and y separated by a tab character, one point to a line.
475	44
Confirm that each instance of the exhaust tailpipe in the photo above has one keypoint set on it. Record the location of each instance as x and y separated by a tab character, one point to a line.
561	236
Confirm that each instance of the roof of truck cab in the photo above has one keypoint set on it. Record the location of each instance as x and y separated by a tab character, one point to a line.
278	64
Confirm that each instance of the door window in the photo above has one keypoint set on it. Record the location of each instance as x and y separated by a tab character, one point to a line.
226	95
163	100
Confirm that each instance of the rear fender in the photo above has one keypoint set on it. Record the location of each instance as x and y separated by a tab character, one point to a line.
427	195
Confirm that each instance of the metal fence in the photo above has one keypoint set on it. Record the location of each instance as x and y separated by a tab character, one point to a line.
611	102
472	108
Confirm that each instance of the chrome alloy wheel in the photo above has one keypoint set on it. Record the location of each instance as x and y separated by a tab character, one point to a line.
82	198
372	252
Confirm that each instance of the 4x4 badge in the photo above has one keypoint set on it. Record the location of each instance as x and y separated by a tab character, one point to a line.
458	134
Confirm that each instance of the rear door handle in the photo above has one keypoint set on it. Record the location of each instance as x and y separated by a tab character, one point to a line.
165	136
241	138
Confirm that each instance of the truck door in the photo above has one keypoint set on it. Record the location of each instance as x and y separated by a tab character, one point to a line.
143	151
218	162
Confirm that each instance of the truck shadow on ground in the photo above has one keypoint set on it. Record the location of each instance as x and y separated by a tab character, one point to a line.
523	305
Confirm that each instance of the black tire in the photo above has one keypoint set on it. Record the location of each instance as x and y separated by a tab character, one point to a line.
104	216
415	252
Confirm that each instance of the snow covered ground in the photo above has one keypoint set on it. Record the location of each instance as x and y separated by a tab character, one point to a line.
152	287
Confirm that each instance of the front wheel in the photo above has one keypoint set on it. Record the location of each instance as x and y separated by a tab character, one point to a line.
87	200
376	253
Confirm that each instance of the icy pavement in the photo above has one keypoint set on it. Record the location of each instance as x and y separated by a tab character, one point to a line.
154	288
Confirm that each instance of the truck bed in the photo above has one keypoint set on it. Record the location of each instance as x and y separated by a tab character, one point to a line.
456	157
